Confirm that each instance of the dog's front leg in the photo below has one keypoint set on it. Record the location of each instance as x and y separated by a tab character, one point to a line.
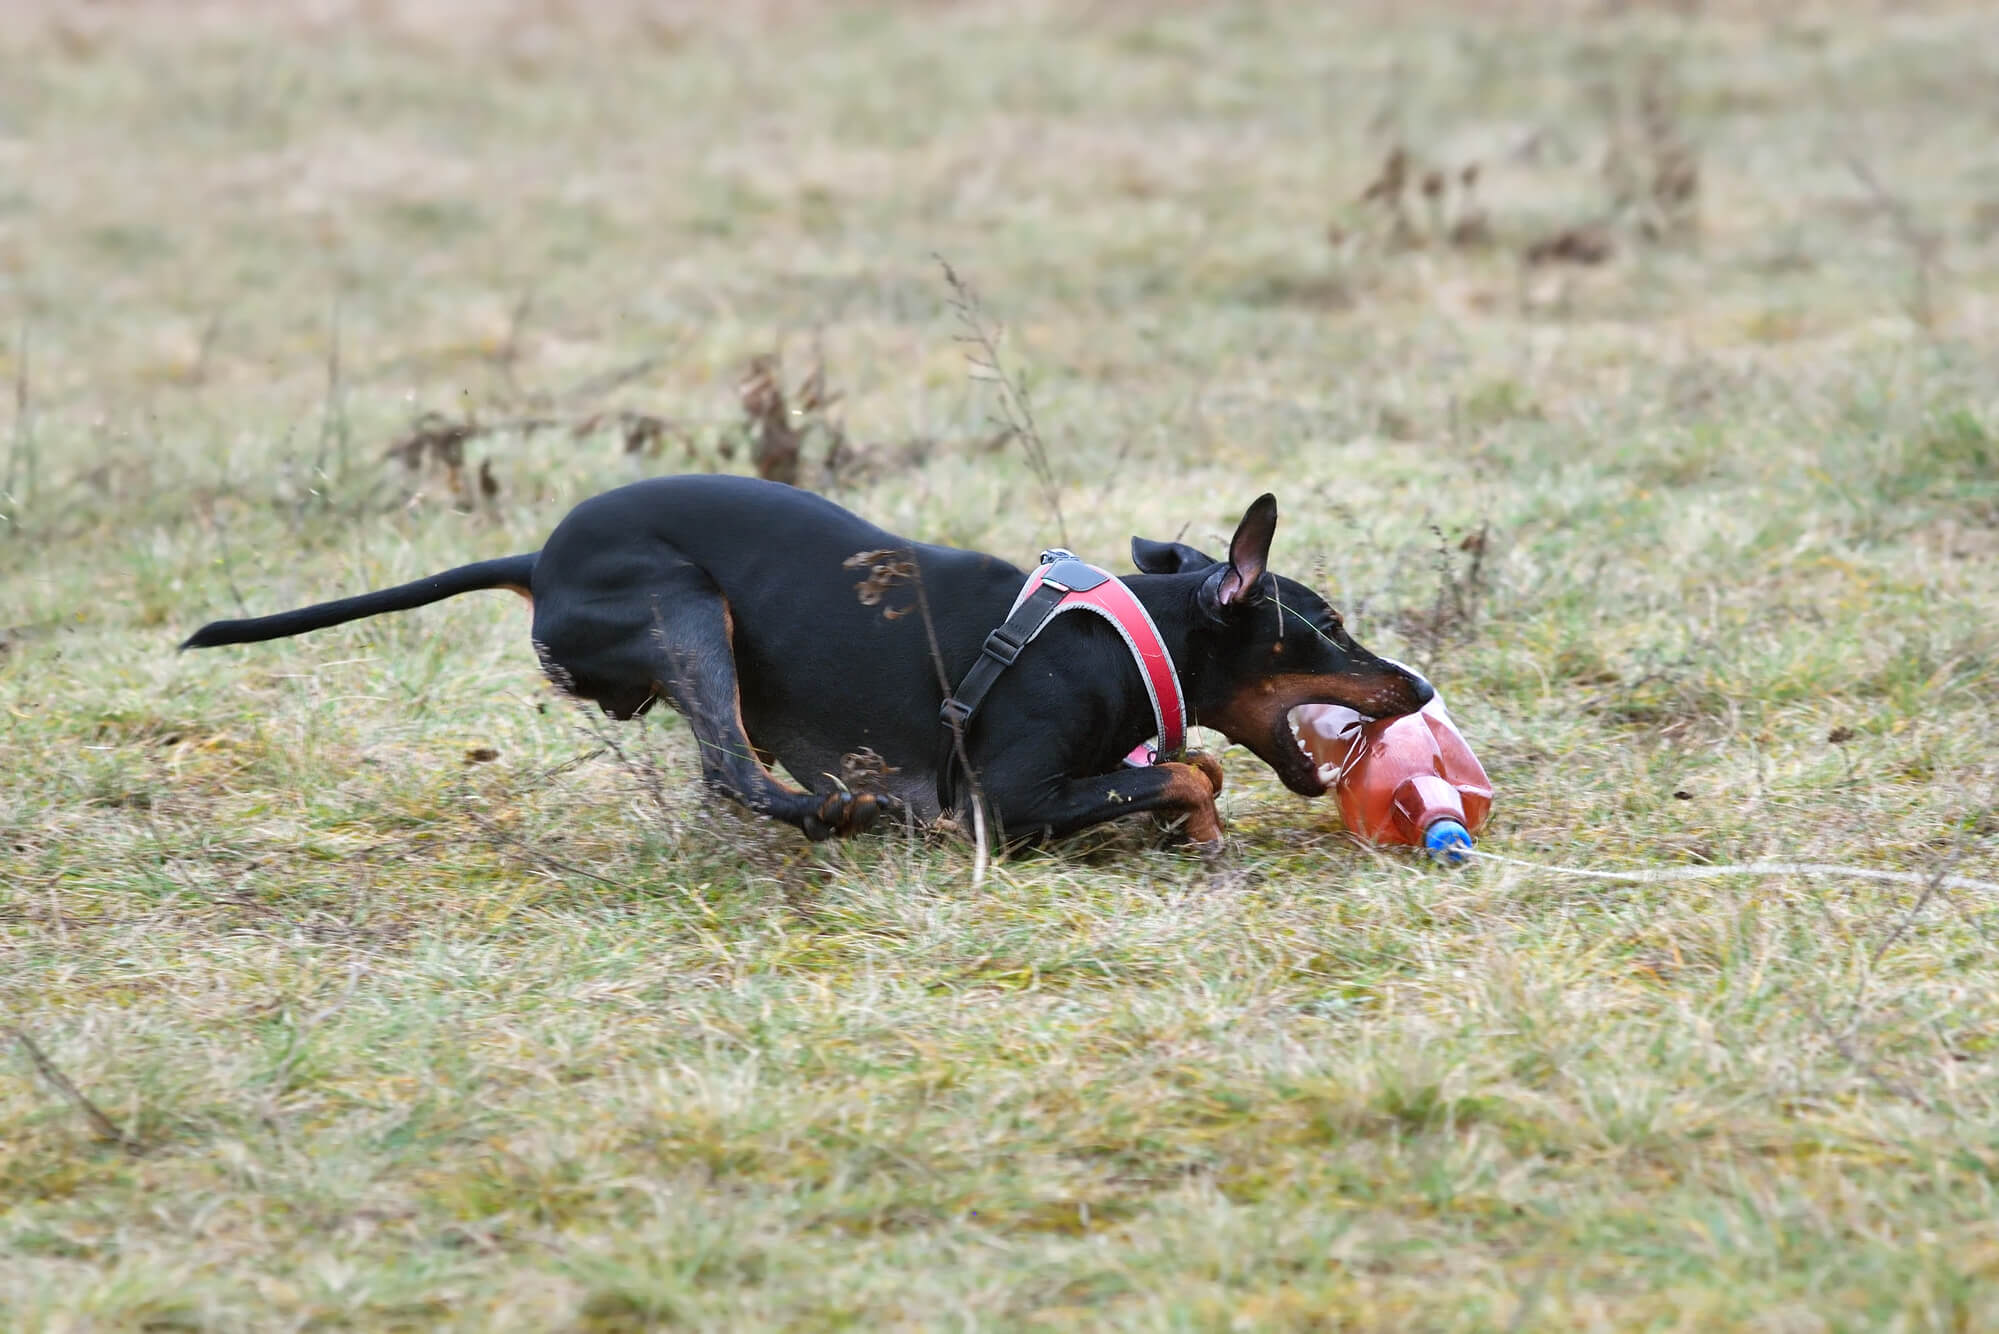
1173	790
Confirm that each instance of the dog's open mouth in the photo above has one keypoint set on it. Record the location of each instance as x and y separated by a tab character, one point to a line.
1315	742
1307	728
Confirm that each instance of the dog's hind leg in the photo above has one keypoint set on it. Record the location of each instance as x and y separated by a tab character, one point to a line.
681	649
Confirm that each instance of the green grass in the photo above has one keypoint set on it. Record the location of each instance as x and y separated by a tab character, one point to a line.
404	1040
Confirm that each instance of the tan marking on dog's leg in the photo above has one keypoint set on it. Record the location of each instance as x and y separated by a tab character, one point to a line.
1190	791
763	758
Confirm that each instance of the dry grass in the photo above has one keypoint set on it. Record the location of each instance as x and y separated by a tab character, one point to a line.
415	1005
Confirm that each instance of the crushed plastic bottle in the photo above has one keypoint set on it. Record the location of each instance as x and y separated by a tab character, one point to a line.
1410	780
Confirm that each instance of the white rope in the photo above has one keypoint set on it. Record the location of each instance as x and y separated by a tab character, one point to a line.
1750	868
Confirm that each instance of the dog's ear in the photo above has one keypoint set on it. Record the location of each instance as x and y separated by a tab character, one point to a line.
1249	554
1167	557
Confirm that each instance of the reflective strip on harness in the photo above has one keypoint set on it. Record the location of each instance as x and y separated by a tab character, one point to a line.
1108	597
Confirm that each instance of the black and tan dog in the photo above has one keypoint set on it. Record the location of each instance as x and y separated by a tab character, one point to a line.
736	602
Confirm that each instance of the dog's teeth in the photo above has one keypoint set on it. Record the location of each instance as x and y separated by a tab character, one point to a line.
1329	774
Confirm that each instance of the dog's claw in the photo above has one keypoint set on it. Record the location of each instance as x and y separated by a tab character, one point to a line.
842	815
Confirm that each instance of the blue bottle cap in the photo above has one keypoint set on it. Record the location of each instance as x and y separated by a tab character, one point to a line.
1447	841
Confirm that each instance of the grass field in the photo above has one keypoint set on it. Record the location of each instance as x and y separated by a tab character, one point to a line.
408	1002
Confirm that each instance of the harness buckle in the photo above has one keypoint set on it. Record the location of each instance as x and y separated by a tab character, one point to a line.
954	714
1002	648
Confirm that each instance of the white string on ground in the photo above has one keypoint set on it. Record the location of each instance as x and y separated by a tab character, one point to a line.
1658	874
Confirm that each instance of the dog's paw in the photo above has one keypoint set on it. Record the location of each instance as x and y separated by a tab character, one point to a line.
1188	801
842	815
1171	833
1210	767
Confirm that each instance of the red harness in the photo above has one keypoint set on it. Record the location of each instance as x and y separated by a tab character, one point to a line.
1064	583
1109	598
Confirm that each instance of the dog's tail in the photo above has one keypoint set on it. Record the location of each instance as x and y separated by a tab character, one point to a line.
513	572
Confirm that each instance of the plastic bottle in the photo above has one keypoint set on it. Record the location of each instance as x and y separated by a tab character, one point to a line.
1409	780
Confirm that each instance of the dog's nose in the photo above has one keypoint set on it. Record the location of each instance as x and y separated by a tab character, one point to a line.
1425	692
1421	687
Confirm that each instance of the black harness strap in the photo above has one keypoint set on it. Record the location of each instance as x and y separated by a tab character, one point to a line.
1059	574
1002	646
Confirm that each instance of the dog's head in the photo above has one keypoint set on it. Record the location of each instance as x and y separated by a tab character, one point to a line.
1260	645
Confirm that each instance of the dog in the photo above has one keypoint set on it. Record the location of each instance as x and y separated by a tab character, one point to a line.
736	601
